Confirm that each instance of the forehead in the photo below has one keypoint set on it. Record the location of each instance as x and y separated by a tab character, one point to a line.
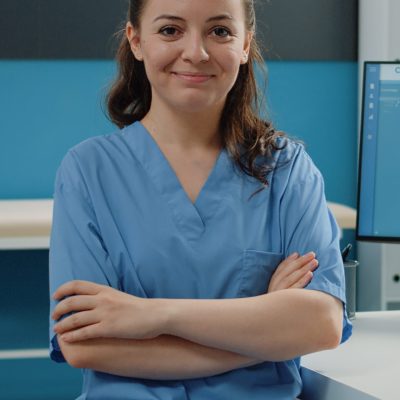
199	10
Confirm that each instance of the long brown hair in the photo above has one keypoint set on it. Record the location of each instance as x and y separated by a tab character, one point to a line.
245	134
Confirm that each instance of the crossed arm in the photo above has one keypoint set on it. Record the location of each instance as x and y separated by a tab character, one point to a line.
163	358
196	338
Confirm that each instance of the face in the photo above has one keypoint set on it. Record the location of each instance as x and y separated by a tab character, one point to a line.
192	50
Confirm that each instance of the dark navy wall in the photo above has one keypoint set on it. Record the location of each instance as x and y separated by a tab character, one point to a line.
290	30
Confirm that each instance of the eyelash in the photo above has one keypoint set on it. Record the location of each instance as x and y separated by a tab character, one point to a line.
165	28
229	33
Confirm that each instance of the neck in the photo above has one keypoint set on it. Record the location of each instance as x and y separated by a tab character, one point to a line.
186	131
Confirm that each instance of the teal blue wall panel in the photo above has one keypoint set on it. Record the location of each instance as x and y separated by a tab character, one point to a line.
317	102
48	106
24	304
38	379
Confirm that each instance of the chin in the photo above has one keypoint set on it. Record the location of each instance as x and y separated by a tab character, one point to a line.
196	105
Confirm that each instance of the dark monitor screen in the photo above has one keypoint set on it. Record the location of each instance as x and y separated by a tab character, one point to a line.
378	216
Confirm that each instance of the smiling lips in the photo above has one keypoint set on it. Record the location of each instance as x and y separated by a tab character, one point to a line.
192	77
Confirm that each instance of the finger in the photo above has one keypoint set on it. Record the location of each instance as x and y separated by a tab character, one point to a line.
303	281
85	333
76	321
287	261
288	267
303	260
311	266
279	273
296	275
71	304
291	264
293	256
76	287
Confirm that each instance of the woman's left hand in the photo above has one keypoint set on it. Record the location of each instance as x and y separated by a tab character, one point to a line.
101	311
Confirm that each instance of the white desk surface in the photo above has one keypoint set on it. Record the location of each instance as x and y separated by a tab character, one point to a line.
25	224
367	366
345	216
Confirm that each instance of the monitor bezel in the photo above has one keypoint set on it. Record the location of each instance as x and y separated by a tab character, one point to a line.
360	237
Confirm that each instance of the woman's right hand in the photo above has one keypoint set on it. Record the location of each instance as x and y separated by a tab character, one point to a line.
294	272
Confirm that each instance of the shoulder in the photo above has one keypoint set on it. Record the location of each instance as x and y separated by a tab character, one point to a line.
101	146
85	157
95	146
293	162
100	161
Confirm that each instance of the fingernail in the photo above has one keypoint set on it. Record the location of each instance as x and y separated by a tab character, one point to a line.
293	256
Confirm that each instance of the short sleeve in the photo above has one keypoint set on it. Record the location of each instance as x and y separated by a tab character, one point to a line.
76	251
308	225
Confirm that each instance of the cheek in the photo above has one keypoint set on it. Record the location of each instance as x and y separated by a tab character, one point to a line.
230	62
157	58
229	58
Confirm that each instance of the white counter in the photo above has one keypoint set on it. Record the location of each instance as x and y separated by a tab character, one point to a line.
367	366
345	216
25	224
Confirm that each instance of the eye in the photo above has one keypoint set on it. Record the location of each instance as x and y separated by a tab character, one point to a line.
168	31
222	32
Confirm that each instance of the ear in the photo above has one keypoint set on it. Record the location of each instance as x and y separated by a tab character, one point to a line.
246	47
134	41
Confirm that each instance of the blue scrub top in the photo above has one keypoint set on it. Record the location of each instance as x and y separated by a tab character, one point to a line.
121	218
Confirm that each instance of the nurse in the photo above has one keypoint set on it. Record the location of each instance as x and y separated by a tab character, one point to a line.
192	252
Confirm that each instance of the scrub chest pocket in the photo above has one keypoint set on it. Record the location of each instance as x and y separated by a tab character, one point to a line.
257	269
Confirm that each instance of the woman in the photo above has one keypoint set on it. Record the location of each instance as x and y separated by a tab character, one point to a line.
168	235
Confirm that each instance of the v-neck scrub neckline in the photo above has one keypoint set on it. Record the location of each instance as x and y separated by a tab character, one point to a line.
191	217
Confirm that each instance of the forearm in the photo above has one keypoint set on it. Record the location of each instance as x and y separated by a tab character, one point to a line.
163	358
274	327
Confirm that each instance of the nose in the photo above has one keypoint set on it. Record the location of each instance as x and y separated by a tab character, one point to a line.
195	50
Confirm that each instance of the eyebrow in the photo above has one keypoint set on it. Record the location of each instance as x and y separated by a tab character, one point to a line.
175	18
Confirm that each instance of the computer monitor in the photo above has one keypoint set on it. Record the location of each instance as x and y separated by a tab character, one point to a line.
378	216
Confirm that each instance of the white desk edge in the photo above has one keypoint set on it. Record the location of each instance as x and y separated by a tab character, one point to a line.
365	367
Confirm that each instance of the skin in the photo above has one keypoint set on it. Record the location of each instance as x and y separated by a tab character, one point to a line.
189	45
102	311
205	337
170	48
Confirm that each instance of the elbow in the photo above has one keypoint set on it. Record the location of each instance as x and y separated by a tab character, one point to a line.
332	339
72	353
332	321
